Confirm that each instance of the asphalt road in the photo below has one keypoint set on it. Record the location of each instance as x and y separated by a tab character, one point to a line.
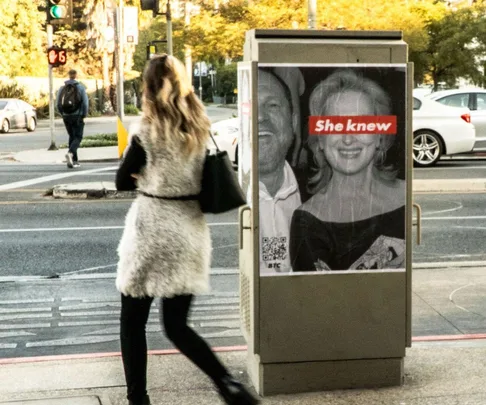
58	260
19	140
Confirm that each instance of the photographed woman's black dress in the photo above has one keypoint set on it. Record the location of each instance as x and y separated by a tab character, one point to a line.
370	244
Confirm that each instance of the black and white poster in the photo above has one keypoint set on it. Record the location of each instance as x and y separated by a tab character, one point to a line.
244	117
331	166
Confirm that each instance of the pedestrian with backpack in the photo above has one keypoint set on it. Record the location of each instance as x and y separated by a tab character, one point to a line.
72	104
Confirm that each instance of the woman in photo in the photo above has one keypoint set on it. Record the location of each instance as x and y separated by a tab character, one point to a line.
356	216
165	248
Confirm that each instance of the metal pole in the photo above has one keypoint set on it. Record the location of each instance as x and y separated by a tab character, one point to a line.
52	146
200	80
312	13
169	28
187	49
119	63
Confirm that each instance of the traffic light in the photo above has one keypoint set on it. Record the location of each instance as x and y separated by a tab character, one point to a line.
56	56
153	5
59	12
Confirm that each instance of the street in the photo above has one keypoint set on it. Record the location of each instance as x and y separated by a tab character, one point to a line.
58	260
18	140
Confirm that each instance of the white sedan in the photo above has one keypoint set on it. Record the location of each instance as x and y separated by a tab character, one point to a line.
440	130
226	136
437	130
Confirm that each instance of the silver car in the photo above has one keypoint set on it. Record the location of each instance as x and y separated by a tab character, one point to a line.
15	113
475	100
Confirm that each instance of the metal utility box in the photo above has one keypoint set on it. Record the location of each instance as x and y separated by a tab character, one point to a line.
325	157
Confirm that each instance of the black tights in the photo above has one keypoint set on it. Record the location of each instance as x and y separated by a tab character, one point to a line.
174	313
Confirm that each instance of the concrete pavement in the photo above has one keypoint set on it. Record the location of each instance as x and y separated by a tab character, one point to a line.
439	370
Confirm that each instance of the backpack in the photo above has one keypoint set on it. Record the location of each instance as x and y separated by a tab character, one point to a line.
70	99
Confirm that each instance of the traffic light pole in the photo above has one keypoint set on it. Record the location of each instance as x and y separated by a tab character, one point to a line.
52	146
119	62
311	14
168	16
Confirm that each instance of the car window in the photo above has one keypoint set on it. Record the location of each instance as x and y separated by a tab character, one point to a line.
3	104
481	101
416	104
455	100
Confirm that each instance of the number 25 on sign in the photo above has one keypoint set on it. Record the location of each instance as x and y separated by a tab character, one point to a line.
56	56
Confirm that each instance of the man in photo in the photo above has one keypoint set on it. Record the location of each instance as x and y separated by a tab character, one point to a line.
279	194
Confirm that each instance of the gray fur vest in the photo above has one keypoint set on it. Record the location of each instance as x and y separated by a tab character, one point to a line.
165	249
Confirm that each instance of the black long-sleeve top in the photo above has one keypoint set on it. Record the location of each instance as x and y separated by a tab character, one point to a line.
134	161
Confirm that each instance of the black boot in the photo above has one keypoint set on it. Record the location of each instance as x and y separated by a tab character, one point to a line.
145	401
234	393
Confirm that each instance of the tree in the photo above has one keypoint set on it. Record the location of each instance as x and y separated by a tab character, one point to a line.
450	53
22	38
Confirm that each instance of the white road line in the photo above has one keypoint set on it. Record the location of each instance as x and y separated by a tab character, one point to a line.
25	326
35	301
223	324
89	306
223	334
44	179
22	310
8	345
88	269
453	218
459	206
90	323
75	341
84	228
92	313
90	228
219	308
24	316
15	334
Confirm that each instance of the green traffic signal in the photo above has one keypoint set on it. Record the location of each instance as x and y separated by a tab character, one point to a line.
58	12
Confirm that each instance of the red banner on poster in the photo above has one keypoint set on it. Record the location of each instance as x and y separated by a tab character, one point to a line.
353	125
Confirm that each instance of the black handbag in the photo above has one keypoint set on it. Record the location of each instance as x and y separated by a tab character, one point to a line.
220	190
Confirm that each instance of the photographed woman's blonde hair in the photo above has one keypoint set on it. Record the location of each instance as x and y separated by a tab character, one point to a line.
340	82
170	105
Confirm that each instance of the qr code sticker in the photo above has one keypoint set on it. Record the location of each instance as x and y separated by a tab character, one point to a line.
274	248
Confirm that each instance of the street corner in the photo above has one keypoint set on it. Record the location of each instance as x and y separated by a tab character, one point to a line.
90	190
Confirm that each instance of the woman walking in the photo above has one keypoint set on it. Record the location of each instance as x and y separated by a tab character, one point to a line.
165	248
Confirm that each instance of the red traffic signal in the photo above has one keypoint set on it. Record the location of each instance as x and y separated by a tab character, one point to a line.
56	56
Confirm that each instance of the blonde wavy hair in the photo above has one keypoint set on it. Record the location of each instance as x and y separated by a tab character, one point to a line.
170	105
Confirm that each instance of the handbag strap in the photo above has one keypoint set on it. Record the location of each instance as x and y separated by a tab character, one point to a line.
215	144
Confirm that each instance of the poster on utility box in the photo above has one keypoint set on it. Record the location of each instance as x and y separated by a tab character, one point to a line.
331	168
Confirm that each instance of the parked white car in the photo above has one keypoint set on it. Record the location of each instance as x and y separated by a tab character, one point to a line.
440	130
475	100
226	136
437	130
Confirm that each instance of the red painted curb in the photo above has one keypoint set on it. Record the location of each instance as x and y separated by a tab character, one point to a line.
20	360
222	349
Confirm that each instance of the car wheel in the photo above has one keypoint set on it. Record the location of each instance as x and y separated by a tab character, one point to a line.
427	148
5	126
31	124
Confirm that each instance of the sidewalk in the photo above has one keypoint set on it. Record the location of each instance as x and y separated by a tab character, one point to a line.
439	370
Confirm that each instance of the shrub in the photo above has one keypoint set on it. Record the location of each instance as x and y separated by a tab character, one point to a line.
130	109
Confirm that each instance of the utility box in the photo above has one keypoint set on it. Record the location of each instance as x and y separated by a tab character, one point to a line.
325	158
